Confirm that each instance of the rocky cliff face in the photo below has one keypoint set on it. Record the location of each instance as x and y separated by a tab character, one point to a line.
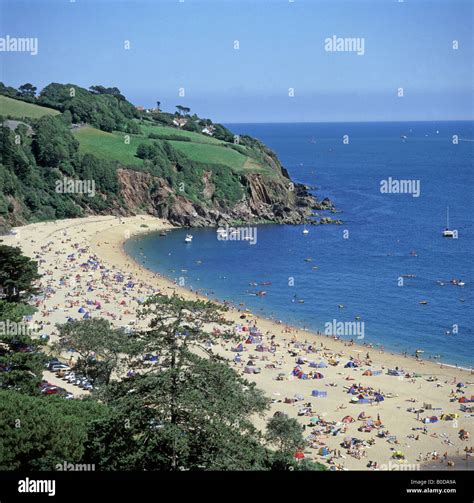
266	199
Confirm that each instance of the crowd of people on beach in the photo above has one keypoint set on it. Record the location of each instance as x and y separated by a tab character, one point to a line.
78	284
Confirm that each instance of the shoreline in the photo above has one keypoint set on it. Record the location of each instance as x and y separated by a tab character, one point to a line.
298	330
102	238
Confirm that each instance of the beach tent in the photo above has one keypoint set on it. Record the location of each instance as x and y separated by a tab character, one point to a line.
81	310
86	316
319	394
350	364
249	370
318	365
460	385
314	420
301	360
318	375
449	417
379	397
237	359
238	348
323	451
395	372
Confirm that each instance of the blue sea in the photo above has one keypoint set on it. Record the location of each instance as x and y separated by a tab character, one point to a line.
359	264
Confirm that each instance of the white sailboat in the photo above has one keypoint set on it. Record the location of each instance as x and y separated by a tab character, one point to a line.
305	230
448	233
188	238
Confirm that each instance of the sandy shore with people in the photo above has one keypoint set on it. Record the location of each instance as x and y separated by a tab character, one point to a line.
87	273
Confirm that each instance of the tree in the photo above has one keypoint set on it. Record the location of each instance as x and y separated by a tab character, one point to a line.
17	275
54	145
180	407
40	432
180	109
285	433
21	358
98	345
27	91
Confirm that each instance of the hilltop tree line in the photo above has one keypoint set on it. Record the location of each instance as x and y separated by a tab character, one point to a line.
186	410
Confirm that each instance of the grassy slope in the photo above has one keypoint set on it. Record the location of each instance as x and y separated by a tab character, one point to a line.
165	130
110	146
20	109
202	148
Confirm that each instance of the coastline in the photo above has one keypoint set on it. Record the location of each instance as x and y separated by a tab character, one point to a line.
104	237
298	331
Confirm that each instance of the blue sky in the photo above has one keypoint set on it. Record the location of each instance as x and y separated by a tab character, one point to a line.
190	45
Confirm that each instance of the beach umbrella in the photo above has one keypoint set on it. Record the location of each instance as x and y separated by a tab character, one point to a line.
299	455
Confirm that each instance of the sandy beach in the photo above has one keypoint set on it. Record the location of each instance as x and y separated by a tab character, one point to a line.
343	433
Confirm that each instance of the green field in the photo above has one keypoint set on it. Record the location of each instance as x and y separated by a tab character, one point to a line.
166	130
19	109
112	146
211	154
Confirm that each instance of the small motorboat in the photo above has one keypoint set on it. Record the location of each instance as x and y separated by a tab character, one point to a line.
188	238
423	302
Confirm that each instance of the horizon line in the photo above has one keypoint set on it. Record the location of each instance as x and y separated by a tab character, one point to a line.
349	122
